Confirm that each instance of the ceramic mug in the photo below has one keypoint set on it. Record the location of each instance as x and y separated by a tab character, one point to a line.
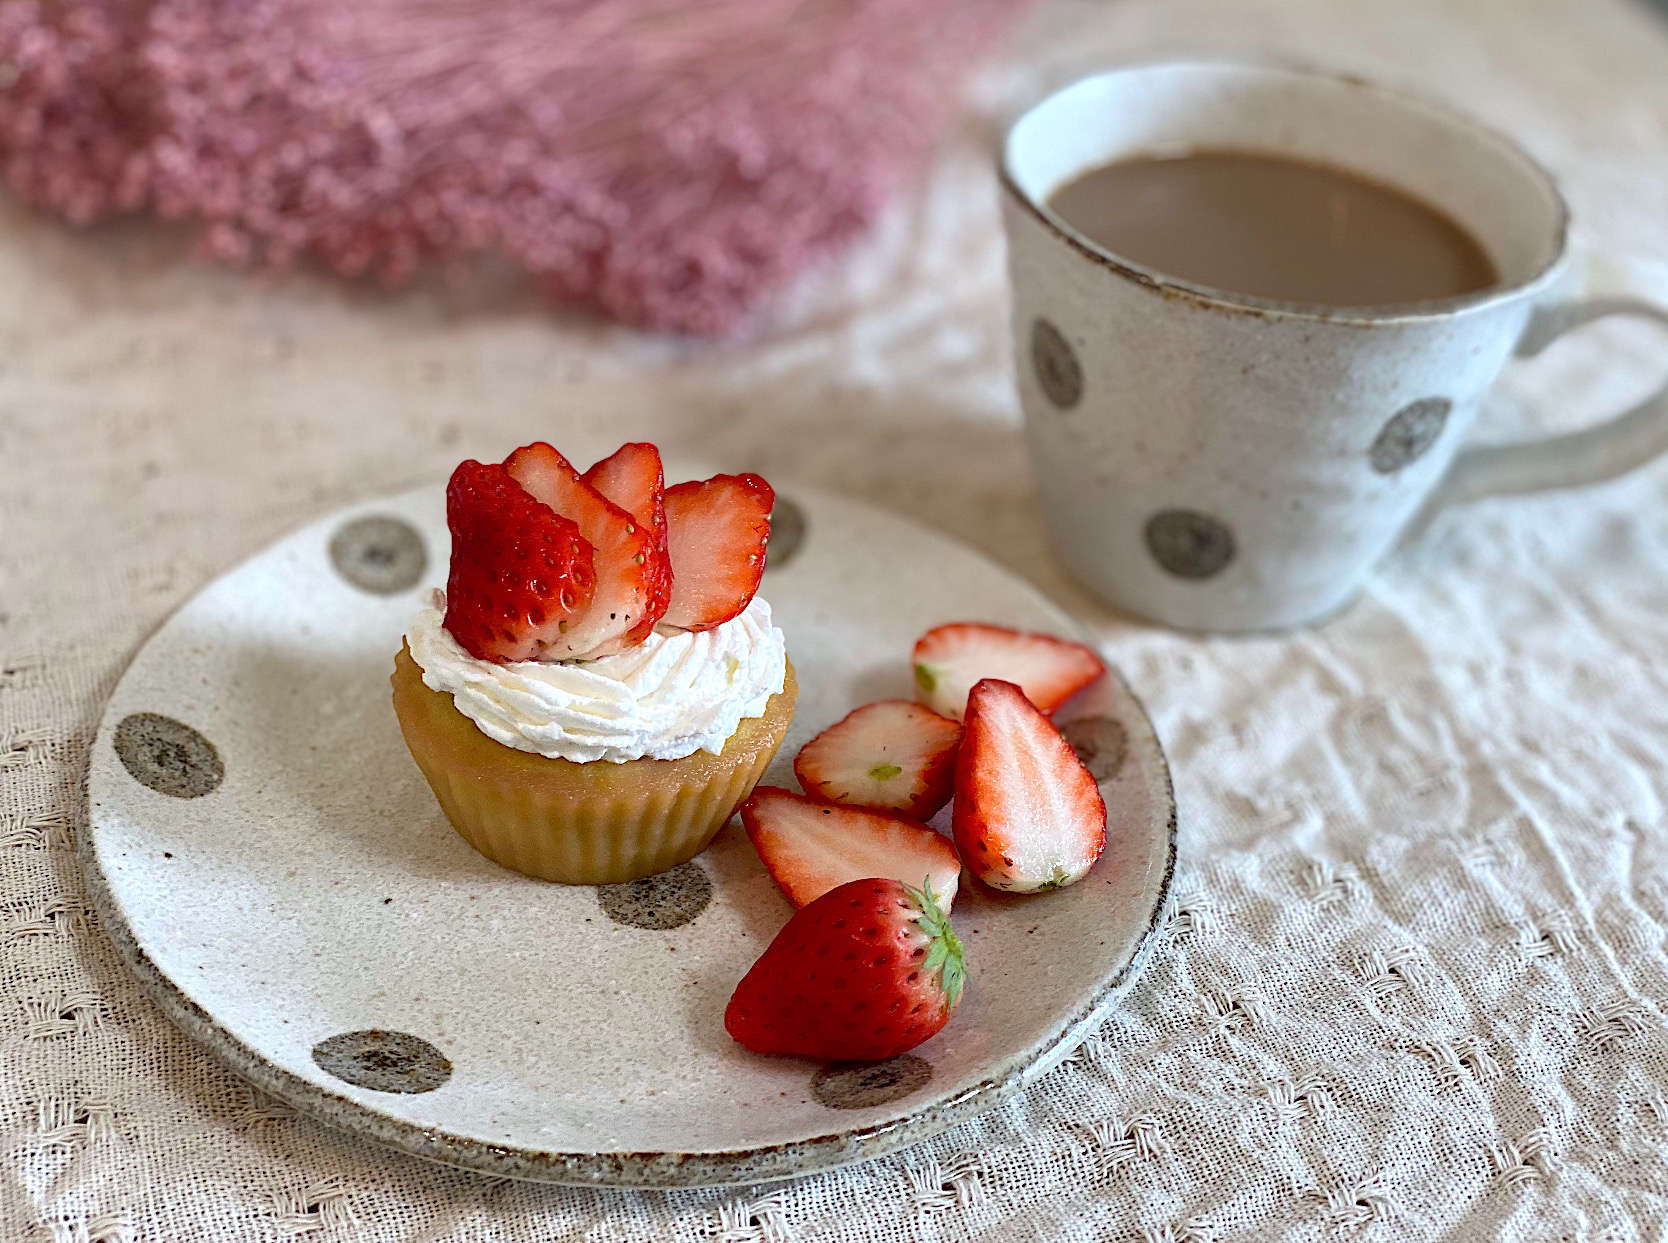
1222	462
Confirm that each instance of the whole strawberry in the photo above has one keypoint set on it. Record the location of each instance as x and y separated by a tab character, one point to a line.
868	970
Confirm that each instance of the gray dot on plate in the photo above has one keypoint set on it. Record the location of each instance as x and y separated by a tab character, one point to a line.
787	533
168	756
1056	365
1409	433
1100	742
379	554
383	1061
1189	544
668	900
861	1085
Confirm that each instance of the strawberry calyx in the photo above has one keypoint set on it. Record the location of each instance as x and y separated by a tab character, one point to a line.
944	951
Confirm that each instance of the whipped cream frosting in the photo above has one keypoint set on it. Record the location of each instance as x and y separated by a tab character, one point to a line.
676	693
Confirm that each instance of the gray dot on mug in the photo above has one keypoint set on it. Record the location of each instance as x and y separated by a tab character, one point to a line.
1189	544
379	554
1056	365
1409	434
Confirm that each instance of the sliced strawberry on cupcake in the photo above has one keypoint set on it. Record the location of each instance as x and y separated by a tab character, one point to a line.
521	573
892	754
631	477
629	566
810	847
867	971
1028	815
949	659
716	531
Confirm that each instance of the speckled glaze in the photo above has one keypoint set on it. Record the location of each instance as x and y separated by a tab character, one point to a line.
299	905
1223	462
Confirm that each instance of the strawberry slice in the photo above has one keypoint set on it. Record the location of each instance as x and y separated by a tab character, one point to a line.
520	571
810	847
892	754
631	477
950	659
627	563
1028	816
867	971
716	531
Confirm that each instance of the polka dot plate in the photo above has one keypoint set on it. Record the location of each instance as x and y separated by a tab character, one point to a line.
271	864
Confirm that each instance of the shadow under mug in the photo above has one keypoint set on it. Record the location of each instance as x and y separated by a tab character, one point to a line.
1216	461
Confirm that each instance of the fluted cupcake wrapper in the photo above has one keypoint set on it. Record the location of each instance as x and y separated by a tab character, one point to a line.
580	824
590	841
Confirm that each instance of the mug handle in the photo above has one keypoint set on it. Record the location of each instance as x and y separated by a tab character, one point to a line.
1592	455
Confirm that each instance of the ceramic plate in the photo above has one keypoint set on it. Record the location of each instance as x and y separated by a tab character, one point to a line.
272	865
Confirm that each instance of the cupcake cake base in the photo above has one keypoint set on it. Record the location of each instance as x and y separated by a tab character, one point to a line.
580	824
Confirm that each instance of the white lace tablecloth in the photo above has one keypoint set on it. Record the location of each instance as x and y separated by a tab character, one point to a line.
1412	983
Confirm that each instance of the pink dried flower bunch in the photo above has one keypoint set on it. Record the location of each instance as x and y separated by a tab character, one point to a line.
667	161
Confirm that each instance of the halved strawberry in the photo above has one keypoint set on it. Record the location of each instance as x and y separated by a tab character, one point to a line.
893	754
716	531
628	566
810	847
1028	815
520	571
949	659
867	971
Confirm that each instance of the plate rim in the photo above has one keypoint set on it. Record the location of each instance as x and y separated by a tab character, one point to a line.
645	1169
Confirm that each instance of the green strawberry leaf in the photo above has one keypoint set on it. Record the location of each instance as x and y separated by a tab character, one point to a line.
944	954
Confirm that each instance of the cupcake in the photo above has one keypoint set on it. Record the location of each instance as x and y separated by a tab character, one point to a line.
599	686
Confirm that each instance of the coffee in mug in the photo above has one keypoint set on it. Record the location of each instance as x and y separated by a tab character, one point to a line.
1274	228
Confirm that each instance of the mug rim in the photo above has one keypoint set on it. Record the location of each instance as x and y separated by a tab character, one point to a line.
1386	313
